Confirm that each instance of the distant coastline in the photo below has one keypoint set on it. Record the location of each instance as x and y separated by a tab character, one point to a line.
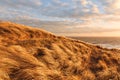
107	42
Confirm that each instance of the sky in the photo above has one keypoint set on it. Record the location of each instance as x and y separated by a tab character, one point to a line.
65	17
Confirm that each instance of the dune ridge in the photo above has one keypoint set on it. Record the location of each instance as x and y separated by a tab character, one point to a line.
28	53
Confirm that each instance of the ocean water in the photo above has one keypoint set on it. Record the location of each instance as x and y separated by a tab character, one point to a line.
107	42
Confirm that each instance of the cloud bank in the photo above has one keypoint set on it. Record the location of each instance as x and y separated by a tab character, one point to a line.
64	16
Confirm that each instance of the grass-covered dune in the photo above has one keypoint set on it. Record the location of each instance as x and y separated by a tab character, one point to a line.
28	53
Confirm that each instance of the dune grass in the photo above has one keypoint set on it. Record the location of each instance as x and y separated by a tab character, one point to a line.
34	54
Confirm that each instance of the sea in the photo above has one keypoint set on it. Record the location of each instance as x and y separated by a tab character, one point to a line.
106	42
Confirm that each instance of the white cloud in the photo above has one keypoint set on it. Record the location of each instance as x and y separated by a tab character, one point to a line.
115	4
111	6
95	9
84	2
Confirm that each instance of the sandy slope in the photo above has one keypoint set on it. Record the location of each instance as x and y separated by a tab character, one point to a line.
32	54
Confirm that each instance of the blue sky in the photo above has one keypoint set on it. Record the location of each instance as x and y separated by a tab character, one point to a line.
66	17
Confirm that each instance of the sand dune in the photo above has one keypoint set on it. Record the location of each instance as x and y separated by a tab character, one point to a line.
27	53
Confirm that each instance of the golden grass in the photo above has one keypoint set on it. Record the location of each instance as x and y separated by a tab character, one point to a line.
33	54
